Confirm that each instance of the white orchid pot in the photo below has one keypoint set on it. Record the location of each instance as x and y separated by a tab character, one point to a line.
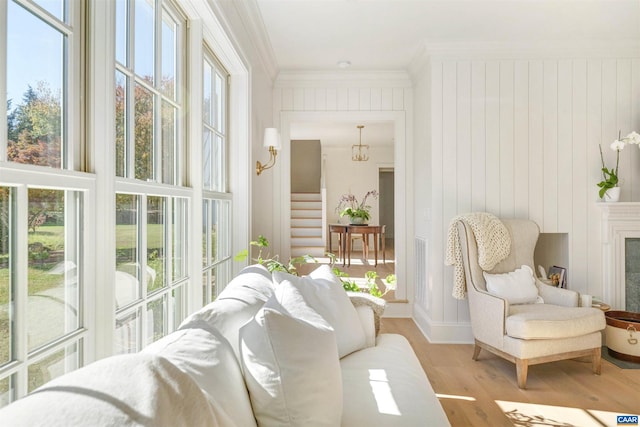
612	195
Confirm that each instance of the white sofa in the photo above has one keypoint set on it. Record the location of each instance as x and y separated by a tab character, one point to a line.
284	354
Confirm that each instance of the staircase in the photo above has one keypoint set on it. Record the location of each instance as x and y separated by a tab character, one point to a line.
306	225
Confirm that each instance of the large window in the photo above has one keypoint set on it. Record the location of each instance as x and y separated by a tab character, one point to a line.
43	209
151	219
106	230
216	207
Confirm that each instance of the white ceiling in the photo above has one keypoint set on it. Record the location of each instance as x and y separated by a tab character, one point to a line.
387	34
344	134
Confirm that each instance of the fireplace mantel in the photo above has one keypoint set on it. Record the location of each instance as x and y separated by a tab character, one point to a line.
619	221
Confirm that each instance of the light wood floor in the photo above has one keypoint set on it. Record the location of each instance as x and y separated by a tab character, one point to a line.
485	393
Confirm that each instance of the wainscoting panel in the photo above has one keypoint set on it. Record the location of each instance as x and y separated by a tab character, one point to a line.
519	138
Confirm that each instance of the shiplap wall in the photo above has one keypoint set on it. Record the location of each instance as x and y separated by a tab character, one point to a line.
519	138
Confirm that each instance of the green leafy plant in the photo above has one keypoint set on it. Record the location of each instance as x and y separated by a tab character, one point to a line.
349	206
273	263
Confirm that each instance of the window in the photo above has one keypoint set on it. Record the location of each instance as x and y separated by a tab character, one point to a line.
151	217
43	209
216	205
148	100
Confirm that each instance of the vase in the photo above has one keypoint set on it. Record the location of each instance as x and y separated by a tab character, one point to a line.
356	220
612	195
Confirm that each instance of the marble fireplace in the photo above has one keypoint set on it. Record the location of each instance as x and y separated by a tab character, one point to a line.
621	255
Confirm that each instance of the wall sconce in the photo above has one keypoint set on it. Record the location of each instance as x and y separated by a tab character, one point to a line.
272	142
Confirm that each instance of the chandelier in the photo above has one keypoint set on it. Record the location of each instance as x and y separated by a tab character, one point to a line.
359	152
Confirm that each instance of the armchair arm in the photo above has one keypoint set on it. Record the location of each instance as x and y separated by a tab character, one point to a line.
557	296
377	305
488	313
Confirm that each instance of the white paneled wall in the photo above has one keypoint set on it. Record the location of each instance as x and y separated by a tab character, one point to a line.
519	138
341	99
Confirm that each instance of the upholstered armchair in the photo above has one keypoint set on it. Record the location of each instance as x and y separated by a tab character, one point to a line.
533	333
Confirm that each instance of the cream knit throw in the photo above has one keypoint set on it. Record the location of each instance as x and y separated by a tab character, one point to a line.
494	245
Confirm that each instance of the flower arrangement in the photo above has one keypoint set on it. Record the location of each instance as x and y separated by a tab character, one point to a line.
610	176
348	205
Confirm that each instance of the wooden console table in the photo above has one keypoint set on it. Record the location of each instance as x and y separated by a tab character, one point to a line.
345	231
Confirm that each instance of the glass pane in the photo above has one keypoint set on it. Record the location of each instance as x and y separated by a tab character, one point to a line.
127	265
127	333
219	103
53	265
35	108
205	228
168	143
179	299
6	225
207	95
218	164
54	7
121	32
168	82
6	391
213	233
155	243
224	230
213	289
156	319
59	363
144	133
121	124
632	274
206	159
205	288
180	232
144	39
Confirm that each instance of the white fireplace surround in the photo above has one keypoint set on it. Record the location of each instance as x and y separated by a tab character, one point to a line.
619	222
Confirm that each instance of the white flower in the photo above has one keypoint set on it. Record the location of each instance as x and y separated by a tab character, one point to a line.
633	138
617	145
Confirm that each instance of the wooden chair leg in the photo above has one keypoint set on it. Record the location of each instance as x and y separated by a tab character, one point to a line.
476	352
596	360
522	368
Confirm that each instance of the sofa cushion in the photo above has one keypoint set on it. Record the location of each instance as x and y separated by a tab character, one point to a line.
517	287
323	292
129	390
386	386
236	304
208	358
547	321
291	365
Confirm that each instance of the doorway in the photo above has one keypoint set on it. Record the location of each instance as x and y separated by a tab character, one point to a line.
386	185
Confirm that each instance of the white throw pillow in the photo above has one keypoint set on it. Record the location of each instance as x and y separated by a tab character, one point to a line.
517	287
323	291
291	364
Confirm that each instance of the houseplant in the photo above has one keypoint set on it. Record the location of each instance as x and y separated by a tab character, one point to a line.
610	180
358	212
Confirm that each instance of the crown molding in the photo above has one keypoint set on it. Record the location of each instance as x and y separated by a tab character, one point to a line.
523	50
254	26
352	79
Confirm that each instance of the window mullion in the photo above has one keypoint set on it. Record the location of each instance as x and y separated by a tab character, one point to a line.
3	81
20	286
142	259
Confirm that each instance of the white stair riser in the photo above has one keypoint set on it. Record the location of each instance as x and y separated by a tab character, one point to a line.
306	232
298	213
306	205
316	197
306	222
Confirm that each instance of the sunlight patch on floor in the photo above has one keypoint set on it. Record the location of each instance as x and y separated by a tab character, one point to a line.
532	415
454	397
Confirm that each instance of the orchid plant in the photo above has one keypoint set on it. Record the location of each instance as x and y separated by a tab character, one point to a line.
348	205
610	176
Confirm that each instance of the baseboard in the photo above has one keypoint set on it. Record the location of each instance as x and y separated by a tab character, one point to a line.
442	332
